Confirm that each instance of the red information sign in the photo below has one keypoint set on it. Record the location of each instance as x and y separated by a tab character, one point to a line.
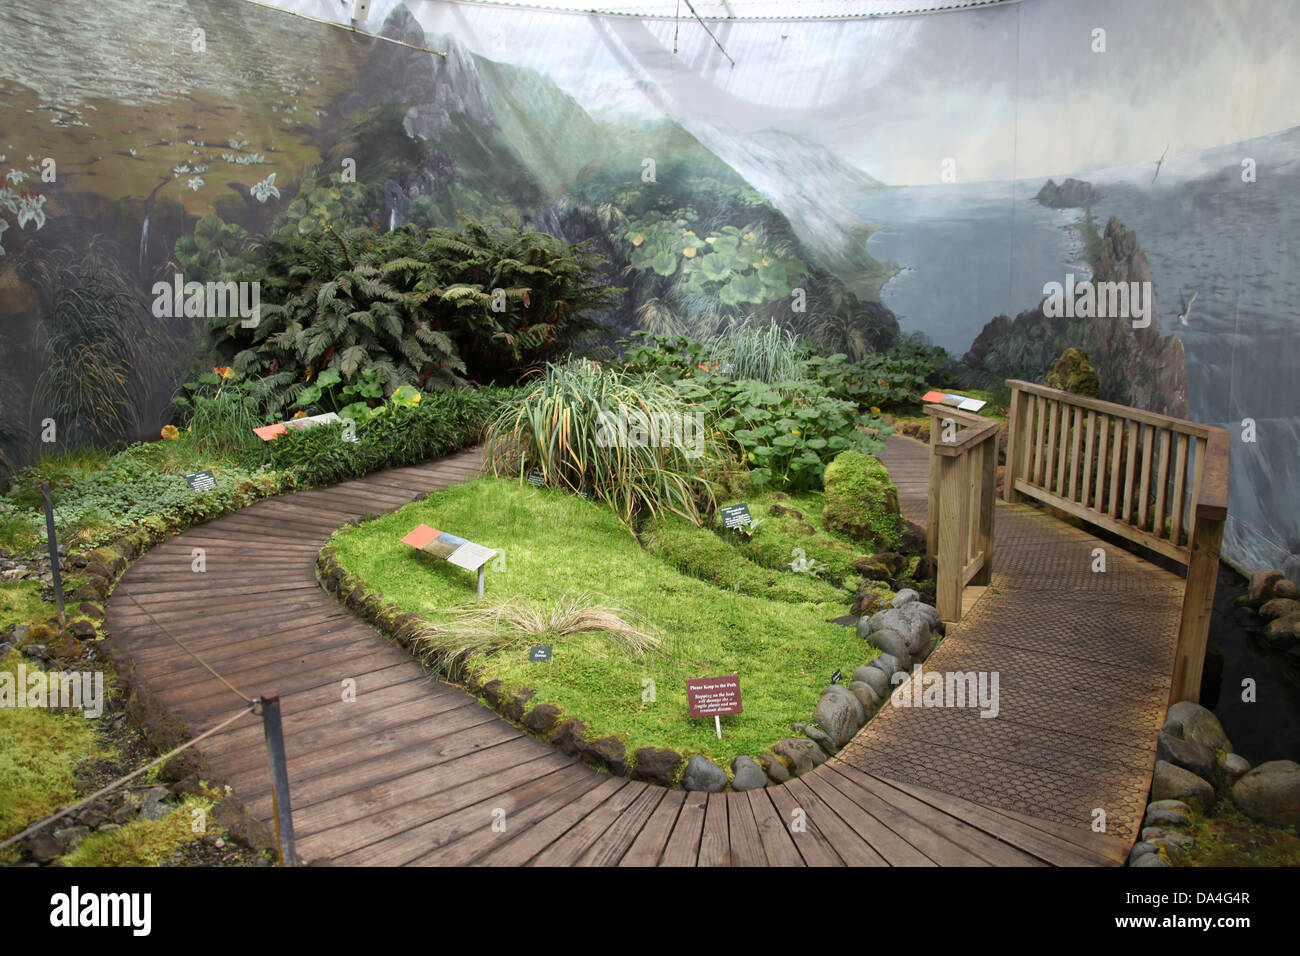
711	696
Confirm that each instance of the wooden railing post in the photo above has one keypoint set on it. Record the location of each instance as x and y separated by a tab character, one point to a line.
987	502
1015	422
951	522
1202	572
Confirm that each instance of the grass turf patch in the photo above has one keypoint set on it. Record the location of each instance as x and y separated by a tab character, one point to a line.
141	842
39	758
557	545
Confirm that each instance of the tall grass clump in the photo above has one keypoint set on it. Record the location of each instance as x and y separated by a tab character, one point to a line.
762	354
628	440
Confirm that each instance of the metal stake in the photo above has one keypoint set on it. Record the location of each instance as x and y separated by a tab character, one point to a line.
54	551
279	780
480	580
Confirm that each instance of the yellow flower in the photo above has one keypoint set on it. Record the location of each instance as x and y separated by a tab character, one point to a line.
170	432
300	414
688	253
638	239
875	410
794	431
222	370
416	400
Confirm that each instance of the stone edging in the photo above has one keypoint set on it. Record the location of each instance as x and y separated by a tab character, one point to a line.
842	711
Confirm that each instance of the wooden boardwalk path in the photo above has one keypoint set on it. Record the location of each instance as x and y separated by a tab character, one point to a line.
1084	661
413	771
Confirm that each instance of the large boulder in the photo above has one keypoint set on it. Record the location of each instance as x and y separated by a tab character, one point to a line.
703	774
1193	722
873	677
747	774
1281	633
1175	783
894	644
1270	793
655	765
840	714
1187	754
1261	585
888	664
867	696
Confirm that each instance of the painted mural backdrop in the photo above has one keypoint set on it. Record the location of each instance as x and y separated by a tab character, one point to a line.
853	180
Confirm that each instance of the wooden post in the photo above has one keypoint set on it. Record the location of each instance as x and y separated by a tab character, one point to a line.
932	515
1202	571
1015	422
281	811
987	502
951	524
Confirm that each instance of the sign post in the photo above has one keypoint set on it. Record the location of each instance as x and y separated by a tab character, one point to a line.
713	697
56	573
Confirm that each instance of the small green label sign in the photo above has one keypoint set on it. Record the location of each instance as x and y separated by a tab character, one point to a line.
201	481
736	516
540	652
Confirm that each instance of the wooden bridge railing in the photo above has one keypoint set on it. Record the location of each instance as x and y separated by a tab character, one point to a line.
1157	481
963	485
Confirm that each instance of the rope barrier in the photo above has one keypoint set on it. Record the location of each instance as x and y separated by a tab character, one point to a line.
181	644
131	776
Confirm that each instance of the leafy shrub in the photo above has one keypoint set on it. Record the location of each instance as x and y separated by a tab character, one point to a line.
880	379
596	429
786	433
398	434
420	309
862	501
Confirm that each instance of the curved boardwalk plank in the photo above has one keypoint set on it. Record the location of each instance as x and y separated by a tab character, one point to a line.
416	772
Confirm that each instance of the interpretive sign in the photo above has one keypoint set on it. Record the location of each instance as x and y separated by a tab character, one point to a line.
735	516
453	550
540	652
267	432
712	697
536	478
201	481
956	401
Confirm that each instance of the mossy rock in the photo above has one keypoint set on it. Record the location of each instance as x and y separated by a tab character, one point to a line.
861	501
1073	373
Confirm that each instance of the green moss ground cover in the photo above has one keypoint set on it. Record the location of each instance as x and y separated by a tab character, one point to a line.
557	545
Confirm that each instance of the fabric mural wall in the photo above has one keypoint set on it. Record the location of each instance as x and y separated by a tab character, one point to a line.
931	174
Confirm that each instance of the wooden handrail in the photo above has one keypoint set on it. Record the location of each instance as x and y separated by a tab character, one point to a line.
1158	481
963	480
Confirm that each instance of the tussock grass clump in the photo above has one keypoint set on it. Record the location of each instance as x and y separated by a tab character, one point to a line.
763	354
628	440
518	623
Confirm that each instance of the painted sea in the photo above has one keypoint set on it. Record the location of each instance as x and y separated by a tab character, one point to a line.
968	253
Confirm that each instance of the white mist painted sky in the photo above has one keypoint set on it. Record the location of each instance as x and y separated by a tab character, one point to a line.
1013	91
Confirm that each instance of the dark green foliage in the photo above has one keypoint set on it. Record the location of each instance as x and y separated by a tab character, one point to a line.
398	435
220	413
426	310
881	379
